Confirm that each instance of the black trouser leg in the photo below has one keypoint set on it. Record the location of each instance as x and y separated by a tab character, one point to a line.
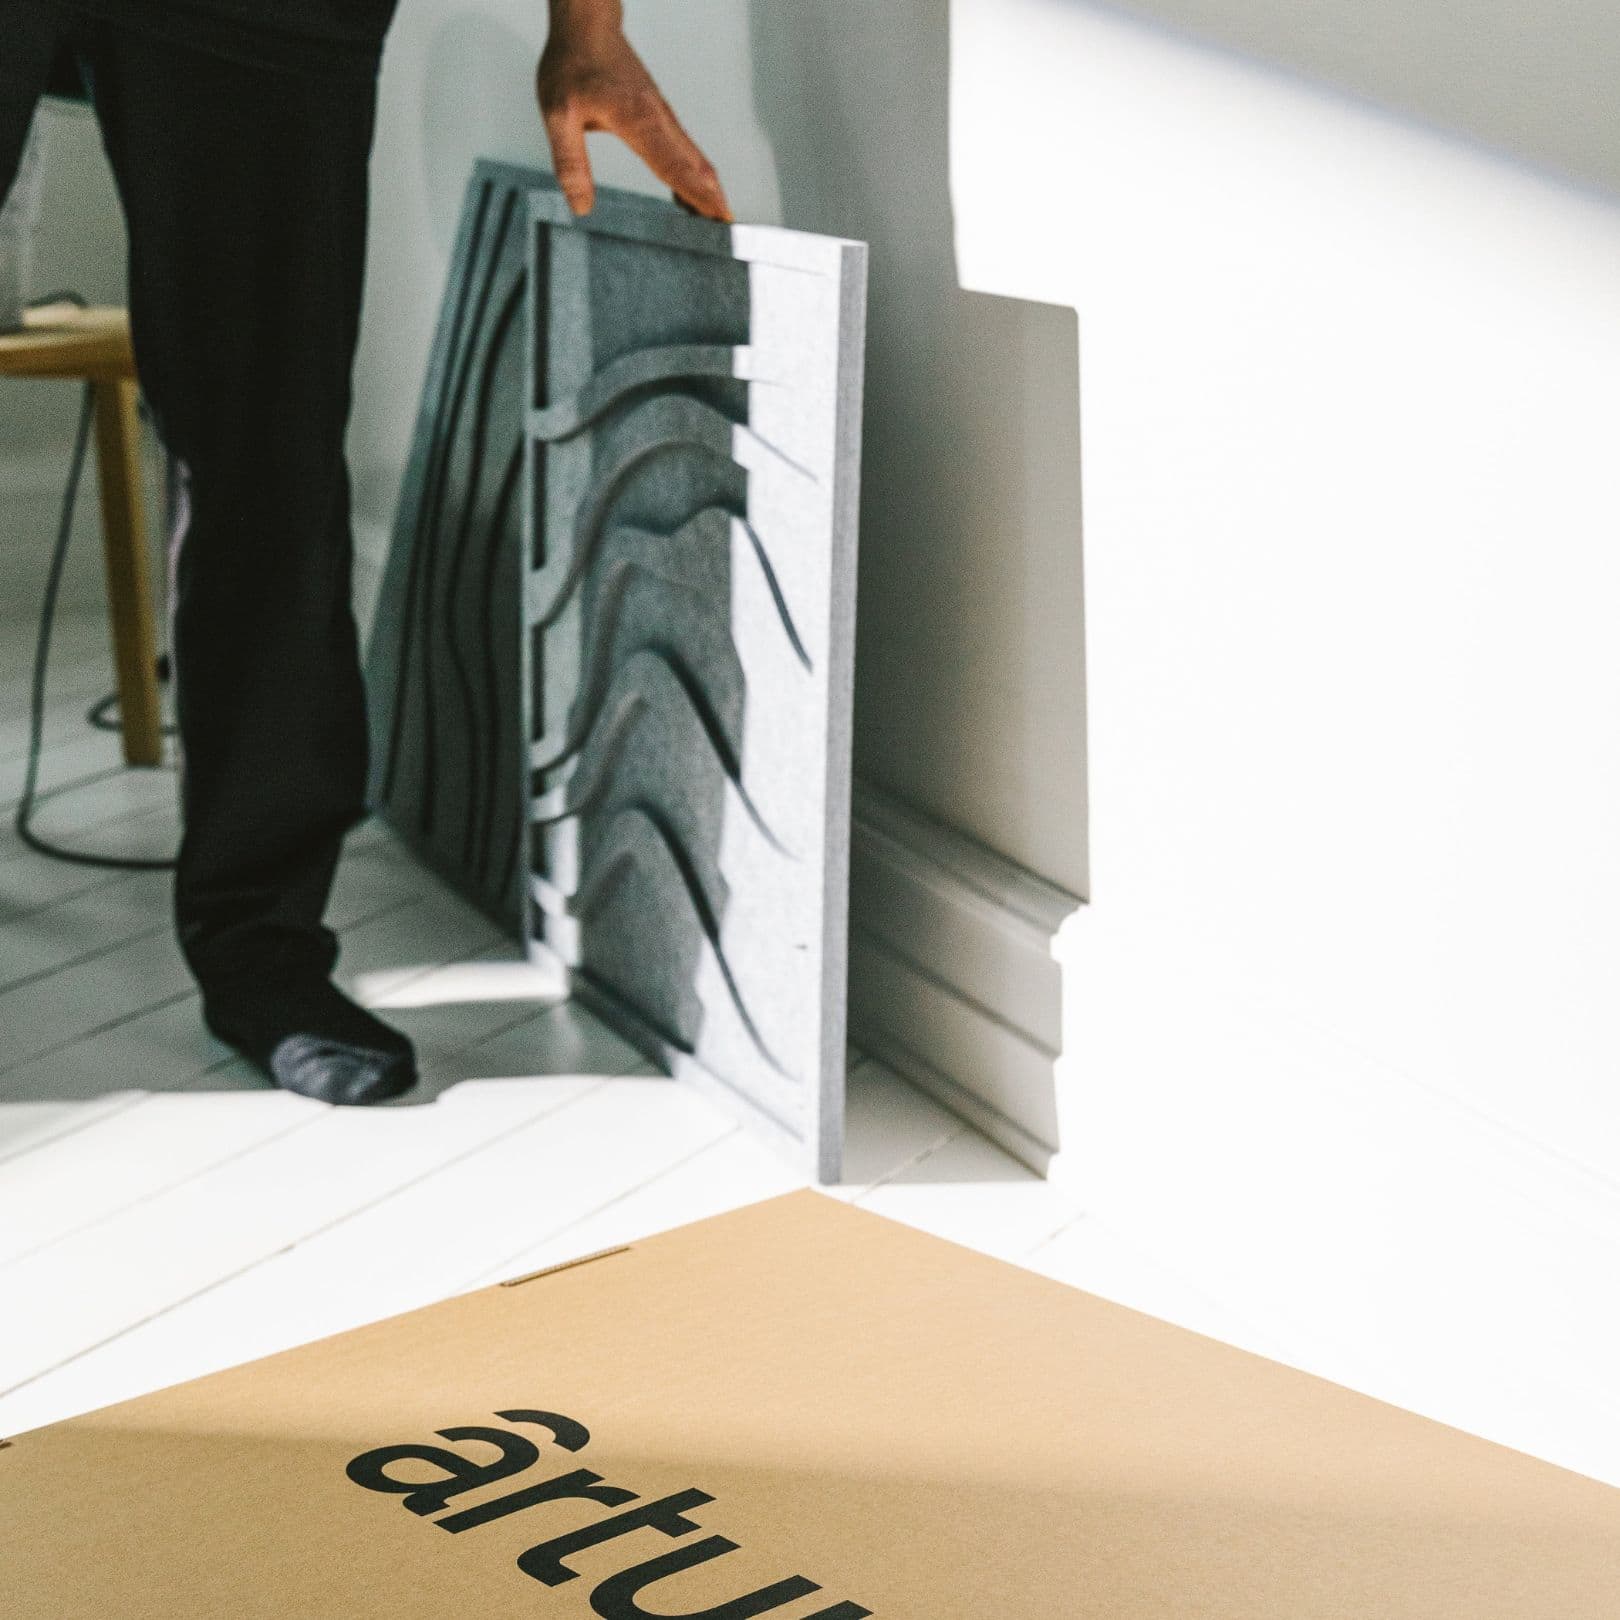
245	191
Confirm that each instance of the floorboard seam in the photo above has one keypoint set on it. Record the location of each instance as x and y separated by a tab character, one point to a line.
122	942
299	1242
71	1128
154	1193
501	1266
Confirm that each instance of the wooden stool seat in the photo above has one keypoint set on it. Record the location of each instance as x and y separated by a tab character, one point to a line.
93	345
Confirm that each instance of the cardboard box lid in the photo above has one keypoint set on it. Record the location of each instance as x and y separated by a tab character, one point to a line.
797	1395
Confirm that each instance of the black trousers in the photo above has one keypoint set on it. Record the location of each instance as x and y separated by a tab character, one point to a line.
242	174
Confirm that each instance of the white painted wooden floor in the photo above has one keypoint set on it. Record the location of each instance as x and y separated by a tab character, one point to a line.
164	1213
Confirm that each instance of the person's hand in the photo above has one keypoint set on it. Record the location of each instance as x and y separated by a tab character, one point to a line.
590	79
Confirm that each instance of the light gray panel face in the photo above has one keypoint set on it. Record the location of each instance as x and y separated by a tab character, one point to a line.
692	466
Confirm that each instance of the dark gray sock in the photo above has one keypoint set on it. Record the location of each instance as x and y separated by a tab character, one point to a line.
310	1038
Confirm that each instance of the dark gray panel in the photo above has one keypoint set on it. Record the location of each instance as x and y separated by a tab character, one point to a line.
445	661
612	663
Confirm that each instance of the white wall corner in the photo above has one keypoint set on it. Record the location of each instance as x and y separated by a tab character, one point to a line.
952	979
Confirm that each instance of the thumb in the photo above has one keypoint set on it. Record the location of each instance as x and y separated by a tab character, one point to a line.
565	129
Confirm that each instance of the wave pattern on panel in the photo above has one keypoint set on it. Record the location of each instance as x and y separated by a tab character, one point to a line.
444	659
688	646
611	662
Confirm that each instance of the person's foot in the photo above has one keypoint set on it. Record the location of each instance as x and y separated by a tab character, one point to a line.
310	1038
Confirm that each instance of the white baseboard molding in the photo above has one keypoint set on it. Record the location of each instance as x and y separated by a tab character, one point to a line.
952	981
1039	1155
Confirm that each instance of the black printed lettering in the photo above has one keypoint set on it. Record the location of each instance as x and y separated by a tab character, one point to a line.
545	1561
568	1434
370	1469
615	1598
582	1485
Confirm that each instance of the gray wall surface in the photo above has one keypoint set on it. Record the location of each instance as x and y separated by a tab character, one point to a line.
81	246
1533	79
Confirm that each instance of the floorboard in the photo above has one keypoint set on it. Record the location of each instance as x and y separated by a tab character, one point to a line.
164	1211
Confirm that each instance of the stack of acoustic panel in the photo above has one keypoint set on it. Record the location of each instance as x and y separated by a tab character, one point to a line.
612	661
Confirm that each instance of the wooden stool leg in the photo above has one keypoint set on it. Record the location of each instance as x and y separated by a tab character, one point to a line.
129	597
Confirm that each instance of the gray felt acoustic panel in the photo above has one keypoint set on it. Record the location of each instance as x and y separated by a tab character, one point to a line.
693	475
445	659
612	658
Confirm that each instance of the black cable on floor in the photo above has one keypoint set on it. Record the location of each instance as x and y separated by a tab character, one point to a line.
31	797
104	714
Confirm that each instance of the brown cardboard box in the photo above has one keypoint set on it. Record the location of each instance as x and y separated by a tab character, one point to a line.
797	1410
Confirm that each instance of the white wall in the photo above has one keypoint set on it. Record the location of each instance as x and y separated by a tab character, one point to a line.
1531	79
1339	1037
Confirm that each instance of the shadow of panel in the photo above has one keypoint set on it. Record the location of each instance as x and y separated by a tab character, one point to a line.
970	721
445	660
692	464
